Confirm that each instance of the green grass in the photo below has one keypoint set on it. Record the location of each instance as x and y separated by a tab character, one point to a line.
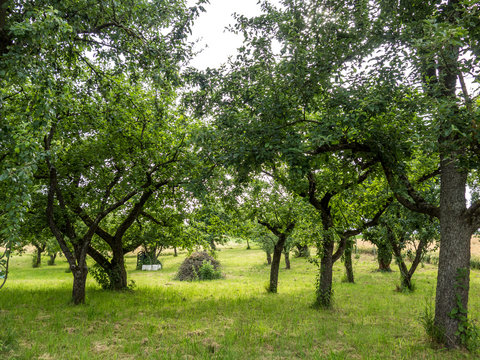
232	318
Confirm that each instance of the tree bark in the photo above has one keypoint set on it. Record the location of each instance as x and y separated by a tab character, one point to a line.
118	273
324	290
287	259
114	268
348	262
277	254
79	283
269	258
454	261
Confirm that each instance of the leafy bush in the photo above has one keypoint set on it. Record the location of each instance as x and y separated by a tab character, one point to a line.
101	276
208	272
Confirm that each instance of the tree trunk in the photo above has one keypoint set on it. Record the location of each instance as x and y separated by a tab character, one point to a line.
287	259
405	275
384	256
175	254
248	245
38	257
79	283
117	272
348	261
274	267
51	261
454	261
324	290
269	258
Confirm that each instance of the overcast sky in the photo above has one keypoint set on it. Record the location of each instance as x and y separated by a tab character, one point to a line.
210	29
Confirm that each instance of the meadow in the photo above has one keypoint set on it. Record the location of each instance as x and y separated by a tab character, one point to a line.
231	318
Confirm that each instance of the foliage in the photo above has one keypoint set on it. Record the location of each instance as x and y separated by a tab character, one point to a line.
467	331
104	98
104	279
100	276
208	272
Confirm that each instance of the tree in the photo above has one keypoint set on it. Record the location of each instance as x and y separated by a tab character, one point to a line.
404	230
273	207
85	56
271	109
377	79
438	42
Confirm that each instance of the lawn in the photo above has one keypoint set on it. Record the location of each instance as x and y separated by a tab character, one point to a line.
232	318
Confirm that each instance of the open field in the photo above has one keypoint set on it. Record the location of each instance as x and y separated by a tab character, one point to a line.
232	318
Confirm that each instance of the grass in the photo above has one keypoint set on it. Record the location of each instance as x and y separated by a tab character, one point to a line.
232	318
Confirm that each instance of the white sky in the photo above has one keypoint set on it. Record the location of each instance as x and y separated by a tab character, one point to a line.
209	28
